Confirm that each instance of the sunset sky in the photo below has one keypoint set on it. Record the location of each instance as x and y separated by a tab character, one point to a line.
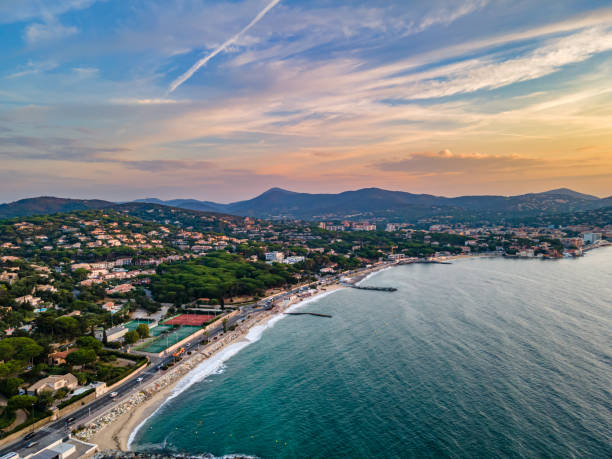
221	100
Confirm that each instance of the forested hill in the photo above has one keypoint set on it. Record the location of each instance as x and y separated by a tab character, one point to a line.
48	205
399	205
367	203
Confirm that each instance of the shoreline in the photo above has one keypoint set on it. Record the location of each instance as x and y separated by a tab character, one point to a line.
117	428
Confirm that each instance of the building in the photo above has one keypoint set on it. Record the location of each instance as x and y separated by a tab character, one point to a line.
64	448
293	260
8	277
275	256
591	238
59	358
112	334
396	256
121	288
54	383
33	300
111	307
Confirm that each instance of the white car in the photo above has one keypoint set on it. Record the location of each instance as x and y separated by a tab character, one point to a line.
114	394
139	379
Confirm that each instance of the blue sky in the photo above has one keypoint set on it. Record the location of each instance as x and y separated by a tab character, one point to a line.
106	98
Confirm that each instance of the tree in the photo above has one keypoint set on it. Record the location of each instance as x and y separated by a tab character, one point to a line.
67	327
22	402
81	357
131	337
20	348
143	331
12	367
10	386
224	325
89	342
6	351
45	399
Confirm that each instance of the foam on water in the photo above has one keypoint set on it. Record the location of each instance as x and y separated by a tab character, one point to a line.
216	364
373	274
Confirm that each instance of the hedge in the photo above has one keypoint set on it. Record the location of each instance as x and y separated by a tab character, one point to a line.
76	398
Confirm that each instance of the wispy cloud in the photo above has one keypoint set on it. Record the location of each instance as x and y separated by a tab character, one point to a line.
48	31
32	68
446	16
195	67
446	161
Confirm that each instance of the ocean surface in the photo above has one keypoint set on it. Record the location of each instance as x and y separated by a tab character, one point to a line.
480	358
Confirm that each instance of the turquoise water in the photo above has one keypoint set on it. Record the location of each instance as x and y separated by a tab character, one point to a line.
481	358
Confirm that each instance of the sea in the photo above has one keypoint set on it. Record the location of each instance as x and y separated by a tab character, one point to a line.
484	357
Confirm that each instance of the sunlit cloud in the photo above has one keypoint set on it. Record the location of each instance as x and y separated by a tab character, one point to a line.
442	97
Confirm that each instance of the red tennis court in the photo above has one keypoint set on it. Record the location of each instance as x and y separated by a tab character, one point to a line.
189	319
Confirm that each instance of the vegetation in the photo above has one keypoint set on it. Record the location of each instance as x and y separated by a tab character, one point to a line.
218	275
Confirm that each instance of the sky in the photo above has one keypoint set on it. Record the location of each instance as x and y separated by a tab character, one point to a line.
221	100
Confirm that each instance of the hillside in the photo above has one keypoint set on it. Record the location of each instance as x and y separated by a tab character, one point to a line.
48	205
367	203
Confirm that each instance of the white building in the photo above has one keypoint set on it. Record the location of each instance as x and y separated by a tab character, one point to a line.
293	260
591	238
275	256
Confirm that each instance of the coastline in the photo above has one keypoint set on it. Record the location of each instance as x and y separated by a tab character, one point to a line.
117	428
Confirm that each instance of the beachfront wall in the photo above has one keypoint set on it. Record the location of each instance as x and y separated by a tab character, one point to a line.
131	375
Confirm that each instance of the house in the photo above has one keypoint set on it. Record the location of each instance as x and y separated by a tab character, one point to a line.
111	307
59	358
8	277
33	300
54	383
121	288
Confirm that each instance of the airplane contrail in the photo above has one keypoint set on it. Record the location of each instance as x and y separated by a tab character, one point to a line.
195	67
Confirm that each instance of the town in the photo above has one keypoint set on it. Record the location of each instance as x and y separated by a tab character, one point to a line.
90	299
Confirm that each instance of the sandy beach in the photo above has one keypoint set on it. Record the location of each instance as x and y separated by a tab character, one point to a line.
112	430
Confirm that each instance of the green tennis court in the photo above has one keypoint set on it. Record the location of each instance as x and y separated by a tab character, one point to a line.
168	339
133	324
156	331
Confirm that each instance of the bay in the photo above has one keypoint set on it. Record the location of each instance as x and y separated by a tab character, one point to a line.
480	358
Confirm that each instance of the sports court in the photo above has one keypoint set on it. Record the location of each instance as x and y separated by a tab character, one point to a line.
133	324
189	319
168	339
156	331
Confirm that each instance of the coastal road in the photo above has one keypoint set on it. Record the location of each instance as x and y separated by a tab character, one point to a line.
60	428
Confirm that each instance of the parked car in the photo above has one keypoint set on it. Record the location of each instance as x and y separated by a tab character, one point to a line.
114	394
30	435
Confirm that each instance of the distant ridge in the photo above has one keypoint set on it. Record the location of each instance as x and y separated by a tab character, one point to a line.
364	203
377	202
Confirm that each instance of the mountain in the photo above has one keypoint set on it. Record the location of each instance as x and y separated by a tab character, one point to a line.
365	203
48	205
400	205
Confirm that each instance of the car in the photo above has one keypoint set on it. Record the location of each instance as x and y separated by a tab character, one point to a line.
139	379
70	420
32	444
30	435
114	394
